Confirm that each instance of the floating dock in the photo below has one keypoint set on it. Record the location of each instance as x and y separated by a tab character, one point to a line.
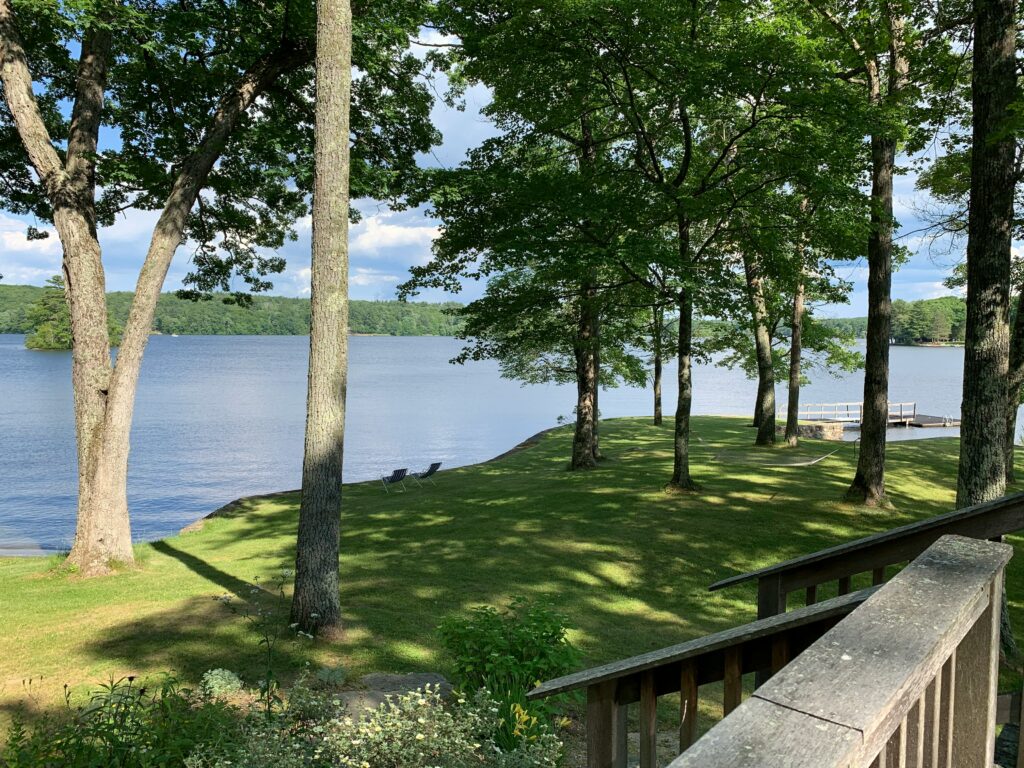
923	420
900	415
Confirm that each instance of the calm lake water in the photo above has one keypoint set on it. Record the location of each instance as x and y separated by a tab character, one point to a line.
220	417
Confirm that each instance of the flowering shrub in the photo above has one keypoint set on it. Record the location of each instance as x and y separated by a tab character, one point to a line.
416	730
507	653
221	682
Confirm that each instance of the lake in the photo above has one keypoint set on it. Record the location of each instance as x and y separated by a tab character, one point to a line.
220	417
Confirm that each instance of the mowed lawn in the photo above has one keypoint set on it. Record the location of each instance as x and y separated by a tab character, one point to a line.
626	561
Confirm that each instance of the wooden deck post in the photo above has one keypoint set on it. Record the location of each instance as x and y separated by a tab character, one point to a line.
687	705
976	681
606	727
771	600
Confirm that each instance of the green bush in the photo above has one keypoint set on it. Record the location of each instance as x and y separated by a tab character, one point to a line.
221	682
123	726
417	730
508	652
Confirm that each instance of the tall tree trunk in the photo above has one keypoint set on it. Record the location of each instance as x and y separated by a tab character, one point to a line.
795	353
982	471
659	323
764	411
584	443
868	486
1014	383
681	479
316	601
869	483
598	456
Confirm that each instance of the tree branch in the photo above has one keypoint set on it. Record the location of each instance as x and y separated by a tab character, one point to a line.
17	80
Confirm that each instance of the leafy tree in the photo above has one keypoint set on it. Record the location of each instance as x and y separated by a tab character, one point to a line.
523	210
211	106
877	44
50	320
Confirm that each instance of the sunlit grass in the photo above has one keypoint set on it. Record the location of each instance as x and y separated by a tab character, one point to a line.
627	562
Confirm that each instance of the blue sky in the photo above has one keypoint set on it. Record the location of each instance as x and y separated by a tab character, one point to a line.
386	243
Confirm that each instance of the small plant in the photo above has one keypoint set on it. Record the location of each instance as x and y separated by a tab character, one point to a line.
508	652
331	677
218	683
266	619
125	725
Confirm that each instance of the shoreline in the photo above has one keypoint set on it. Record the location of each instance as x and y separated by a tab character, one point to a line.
235	506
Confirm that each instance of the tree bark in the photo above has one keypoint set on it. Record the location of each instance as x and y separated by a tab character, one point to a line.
764	410
681	479
598	456
316	601
982	470
795	353
103	533
868	485
104	394
1014	383
659	323
584	443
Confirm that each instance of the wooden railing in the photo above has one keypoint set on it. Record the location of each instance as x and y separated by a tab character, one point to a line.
908	679
874	556
722	657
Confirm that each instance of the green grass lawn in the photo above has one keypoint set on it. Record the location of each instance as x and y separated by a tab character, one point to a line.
627	562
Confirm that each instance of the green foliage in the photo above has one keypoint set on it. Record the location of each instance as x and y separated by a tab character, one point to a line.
123	725
267	315
170	67
415	730
925	321
930	321
221	682
50	319
508	652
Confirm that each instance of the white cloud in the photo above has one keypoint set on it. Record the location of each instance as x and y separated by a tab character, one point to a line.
375	233
133	226
364	276
13	240
300	279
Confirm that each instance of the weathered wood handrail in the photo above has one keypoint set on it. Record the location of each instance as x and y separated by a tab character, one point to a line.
907	679
875	554
722	657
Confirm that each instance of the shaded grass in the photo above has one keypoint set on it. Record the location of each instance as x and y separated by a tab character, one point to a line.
627	562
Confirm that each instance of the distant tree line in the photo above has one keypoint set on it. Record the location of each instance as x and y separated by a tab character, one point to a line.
926	321
23	308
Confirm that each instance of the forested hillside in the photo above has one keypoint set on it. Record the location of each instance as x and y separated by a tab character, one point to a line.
269	315
927	321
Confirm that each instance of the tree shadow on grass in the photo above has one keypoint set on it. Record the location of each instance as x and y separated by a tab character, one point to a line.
628	563
232	584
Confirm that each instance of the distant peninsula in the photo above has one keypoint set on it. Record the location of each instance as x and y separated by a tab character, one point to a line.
268	315
925	322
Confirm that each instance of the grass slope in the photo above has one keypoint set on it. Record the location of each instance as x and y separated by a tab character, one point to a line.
627	562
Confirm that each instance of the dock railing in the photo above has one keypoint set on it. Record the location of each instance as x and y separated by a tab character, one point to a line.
850	412
853	413
907	679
